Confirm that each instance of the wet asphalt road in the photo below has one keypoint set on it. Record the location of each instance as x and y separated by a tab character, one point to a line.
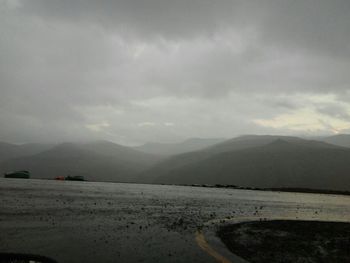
108	222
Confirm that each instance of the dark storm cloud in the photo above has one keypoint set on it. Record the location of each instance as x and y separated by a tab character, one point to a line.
133	71
144	18
313	24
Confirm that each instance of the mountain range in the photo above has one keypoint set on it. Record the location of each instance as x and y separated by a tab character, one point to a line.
97	161
189	145
8	150
250	161
281	163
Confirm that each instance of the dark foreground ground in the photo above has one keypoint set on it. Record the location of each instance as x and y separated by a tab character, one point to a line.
108	222
288	241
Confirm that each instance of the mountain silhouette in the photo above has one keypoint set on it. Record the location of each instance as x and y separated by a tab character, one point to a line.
97	161
283	162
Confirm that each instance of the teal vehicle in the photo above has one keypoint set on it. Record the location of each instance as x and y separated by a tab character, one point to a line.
18	174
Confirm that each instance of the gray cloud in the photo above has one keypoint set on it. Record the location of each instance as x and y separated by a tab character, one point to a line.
335	111
97	69
315	24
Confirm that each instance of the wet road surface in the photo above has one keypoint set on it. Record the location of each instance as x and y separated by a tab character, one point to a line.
109	222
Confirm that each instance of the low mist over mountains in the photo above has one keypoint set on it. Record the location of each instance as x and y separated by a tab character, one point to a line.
97	161
193	144
251	161
340	140
8	151
284	162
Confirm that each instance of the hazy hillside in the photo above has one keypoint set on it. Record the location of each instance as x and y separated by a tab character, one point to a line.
100	161
340	140
284	162
248	141
8	150
251	160
235	144
193	144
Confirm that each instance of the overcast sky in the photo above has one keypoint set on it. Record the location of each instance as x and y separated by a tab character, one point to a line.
165	70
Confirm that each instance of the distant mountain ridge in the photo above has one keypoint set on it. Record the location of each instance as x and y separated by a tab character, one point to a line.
8	150
339	139
97	161
189	145
266	161
235	144
260	161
